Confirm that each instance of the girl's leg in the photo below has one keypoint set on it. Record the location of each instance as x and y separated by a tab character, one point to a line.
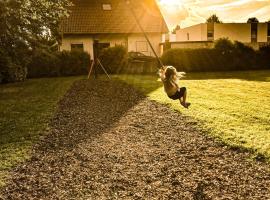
183	100
185	97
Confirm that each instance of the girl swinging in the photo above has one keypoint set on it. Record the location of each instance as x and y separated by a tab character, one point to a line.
169	78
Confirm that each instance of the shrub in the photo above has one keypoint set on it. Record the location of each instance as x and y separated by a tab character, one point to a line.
224	56
190	59
43	64
9	71
73	62
244	57
263	56
224	45
114	59
64	63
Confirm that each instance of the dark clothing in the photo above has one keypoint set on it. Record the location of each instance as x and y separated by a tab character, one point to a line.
179	93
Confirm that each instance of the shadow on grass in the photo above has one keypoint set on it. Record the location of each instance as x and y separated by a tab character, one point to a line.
88	109
25	110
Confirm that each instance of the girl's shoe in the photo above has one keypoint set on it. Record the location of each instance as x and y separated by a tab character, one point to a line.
186	105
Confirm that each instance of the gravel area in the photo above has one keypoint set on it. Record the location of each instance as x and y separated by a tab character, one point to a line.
107	141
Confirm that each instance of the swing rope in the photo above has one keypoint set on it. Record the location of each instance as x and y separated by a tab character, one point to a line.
128	2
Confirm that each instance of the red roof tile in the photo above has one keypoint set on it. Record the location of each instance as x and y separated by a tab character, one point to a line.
88	17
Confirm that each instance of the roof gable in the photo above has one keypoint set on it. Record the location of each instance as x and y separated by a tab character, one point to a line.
88	17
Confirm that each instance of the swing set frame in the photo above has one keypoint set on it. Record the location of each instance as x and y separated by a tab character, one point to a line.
96	62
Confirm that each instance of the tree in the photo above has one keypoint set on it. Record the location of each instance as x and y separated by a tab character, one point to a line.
224	45
213	19
177	27
28	24
253	20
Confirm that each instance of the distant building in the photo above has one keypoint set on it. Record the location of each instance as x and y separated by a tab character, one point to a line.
111	23
204	35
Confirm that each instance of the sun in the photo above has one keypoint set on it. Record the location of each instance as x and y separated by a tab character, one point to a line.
170	2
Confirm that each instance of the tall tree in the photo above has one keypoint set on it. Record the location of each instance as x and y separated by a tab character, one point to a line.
253	20
177	27
213	19
27	22
24	26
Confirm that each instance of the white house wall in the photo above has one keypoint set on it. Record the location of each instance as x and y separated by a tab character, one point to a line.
233	31
87	42
137	42
193	33
262	32
192	45
113	39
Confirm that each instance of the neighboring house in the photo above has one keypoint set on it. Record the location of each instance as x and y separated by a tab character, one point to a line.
108	23
203	35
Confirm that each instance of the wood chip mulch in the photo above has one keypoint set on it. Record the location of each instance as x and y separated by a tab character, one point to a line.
107	141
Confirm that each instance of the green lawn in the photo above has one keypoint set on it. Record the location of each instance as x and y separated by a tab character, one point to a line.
25	110
232	106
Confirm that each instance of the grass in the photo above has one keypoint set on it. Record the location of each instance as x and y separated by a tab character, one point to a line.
232	106
25	110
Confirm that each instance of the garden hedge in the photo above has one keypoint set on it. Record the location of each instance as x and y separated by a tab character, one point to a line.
223	57
64	63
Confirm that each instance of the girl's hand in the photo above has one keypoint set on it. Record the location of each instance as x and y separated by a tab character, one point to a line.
163	68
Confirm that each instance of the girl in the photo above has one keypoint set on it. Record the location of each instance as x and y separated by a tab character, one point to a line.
169	78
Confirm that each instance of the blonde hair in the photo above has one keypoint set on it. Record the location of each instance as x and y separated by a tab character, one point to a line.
171	77
170	74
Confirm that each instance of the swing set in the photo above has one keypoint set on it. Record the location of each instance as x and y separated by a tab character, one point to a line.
96	62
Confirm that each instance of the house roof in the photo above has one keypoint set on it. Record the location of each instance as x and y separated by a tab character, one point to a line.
88	17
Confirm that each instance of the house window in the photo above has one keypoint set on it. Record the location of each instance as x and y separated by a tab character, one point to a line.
77	47
210	35
210	31
141	46
268	32
254	32
107	6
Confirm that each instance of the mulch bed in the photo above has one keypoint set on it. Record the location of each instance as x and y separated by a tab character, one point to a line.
107	141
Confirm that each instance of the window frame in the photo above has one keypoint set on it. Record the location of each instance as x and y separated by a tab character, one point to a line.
74	46
146	46
106	6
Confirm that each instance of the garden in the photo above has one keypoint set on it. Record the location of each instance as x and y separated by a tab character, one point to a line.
66	136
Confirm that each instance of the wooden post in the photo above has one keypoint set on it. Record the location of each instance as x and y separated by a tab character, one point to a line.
95	57
91	68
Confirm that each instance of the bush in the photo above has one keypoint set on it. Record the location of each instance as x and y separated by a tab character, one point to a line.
43	64
190	59
263	56
52	64
224	45
73	62
114	59
224	56
9	71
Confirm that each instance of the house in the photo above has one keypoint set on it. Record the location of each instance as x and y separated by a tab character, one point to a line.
107	23
203	35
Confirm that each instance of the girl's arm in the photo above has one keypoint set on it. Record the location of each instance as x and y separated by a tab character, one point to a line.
161	73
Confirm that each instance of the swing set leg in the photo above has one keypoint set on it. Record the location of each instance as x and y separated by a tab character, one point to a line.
93	65
91	68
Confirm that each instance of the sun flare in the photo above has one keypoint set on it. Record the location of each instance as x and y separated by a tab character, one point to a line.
171	2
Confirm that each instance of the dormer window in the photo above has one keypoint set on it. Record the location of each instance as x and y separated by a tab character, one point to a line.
107	6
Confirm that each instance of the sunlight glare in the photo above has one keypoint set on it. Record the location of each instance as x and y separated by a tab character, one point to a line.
171	2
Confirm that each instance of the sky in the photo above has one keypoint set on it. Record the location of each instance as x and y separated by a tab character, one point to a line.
190	12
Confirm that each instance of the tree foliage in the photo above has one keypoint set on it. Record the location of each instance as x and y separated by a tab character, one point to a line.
213	19
29	24
177	27
30	21
253	20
